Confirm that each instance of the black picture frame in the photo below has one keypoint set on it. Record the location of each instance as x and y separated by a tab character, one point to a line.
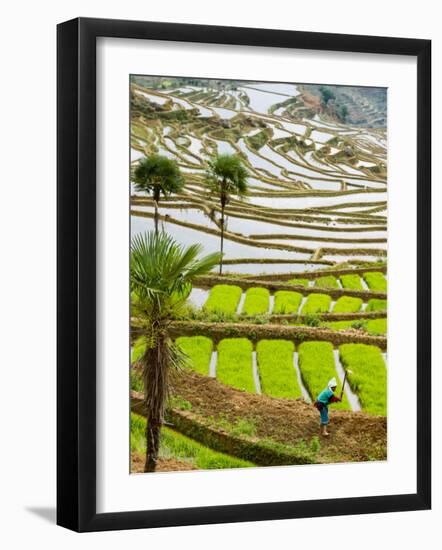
76	274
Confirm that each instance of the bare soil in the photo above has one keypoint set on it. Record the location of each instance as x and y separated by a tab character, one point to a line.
354	436
164	464
310	100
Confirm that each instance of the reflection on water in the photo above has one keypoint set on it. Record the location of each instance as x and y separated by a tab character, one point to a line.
263	95
224	147
224	113
198	297
160	100
211	243
253	227
317	201
304	171
258	162
190	215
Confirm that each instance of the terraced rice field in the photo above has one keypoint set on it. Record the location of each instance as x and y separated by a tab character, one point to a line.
368	375
321	188
353	282
305	256
276	362
275	367
199	352
316	362
347	304
287	301
316	303
258	300
223	298
376	281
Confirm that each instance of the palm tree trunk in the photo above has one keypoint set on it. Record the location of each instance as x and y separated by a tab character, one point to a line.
155	374
155	204
153	430
223	205
156	198
222	239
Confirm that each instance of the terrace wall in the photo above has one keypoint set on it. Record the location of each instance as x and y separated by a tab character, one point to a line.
298	334
207	281
244	447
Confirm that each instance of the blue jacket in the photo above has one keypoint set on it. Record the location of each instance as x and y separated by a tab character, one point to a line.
325	396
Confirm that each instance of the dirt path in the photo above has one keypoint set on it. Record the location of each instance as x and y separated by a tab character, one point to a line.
355	436
164	464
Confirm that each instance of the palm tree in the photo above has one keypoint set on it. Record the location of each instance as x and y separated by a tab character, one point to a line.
226	176
161	274
158	175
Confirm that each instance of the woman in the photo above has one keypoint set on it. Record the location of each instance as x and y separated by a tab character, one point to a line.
324	399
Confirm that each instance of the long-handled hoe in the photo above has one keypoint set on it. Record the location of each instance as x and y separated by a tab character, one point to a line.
345	380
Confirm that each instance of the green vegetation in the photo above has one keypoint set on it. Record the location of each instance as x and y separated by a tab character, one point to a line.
374	327
375	304
136	382
178	446
340	325
326	94
347	304
342	112
316	155
257	301
303	449
234	366
316	303
368	377
377	326
199	351
327	281
352	282
157	175
241	426
376	281
317	366
178	402
226	176
276	370
193	313
258	140
311	320
285	103
138	349
161	275
299	281
223	299
287	301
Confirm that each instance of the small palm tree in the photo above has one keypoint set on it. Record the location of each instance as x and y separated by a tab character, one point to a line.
226	176
158	175
161	274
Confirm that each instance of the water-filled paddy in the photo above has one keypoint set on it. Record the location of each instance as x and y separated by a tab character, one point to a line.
315	202
211	243
298	169
155	98
263	95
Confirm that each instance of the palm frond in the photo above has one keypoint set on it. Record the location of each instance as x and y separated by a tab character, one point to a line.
162	270
157	172
227	173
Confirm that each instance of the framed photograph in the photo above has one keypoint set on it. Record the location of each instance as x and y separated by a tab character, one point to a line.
231	205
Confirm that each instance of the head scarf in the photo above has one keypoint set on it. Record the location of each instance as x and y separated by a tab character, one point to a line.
332	383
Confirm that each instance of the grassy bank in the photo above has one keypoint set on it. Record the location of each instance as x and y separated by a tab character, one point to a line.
178	446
